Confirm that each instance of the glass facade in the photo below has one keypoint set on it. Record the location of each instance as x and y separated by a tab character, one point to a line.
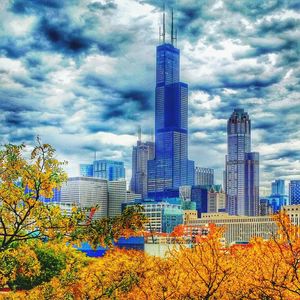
278	187
141	153
105	169
170	168
242	167
294	191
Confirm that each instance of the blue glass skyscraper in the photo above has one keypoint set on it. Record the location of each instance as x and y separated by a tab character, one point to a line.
170	168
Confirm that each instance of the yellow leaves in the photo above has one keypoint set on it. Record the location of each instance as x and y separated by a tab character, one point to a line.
22	261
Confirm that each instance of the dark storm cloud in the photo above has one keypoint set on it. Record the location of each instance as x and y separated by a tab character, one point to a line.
254	8
30	7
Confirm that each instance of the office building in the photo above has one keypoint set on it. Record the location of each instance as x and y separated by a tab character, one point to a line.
162	216
86	192
86	170
276	200
204	176
238	228
199	195
130	196
105	169
171	167
294	191
216	199
117	194
265	208
278	187
141	153
242	167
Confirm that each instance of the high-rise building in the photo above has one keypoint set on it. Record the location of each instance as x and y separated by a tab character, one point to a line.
141	153
86	192
170	168
242	167
278	187
105	169
216	199
116	196
274	202
294	191
86	170
204	176
199	195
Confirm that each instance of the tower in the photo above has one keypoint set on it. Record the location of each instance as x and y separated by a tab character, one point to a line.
141	153
242	167
170	168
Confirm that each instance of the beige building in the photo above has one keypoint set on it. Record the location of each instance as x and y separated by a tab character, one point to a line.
189	215
216	199
239	228
243	228
293	211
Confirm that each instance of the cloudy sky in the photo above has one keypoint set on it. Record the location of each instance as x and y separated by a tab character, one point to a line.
81	74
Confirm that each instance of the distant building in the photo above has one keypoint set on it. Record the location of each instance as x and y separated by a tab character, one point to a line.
294	191
116	196
239	228
162	216
277	199
86	192
105	169
242	167
141	153
204	176
216	199
86	170
199	195
243	228
130	196
265	208
278	187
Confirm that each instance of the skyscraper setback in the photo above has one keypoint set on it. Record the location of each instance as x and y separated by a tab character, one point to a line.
170	168
242	167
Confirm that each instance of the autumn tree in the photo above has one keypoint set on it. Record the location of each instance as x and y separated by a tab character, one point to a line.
25	180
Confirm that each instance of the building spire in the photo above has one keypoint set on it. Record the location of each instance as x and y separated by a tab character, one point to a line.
164	24
173	31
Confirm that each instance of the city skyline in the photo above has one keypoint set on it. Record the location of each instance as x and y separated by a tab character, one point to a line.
81	76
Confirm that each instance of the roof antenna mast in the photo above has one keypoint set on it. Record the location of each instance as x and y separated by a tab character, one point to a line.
173	32
164	24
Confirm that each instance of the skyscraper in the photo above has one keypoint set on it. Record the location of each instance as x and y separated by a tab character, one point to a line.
105	169
204	176
278	187
242	167
141	153
170	168
294	191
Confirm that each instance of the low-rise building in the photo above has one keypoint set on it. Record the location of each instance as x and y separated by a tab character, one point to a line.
161	216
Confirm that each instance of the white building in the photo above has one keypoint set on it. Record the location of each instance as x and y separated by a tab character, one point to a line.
86	192
116	196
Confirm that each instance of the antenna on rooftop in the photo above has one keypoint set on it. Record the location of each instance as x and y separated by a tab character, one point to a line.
173	32
163	33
